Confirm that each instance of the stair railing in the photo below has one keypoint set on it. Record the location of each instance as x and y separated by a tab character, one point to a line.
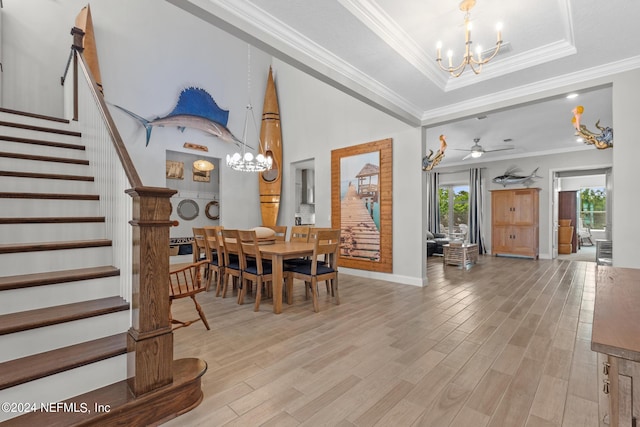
137	222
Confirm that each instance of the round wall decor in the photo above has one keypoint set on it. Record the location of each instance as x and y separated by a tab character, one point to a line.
188	209
208	210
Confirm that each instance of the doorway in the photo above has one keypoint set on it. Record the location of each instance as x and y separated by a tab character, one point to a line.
583	197
303	173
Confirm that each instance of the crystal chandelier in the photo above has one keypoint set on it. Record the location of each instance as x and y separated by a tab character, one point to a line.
475	63
246	161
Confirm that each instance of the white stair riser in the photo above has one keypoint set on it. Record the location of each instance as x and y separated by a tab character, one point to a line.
43	261
41	150
33	121
24	165
43	185
34	341
29	208
54	388
62	386
35	297
32	233
36	134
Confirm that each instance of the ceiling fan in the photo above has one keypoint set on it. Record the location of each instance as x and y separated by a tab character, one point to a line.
476	150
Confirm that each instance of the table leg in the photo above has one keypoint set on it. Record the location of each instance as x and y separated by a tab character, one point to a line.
276	264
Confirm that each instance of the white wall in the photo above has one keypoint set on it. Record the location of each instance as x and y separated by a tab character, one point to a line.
36	41
626	154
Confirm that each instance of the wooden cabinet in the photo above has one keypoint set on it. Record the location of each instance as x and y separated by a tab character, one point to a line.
568	209
615	334
514	222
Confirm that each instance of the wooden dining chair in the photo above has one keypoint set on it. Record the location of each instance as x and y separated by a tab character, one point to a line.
198	244
214	256
323	266
299	233
313	234
280	230
187	282
232	251
254	268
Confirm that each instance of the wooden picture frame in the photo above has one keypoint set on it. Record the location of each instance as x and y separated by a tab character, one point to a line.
201	176
175	170
362	205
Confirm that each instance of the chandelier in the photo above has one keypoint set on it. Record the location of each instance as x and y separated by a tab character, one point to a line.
475	63
246	161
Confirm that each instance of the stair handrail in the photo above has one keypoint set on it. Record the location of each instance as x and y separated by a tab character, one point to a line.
150	337
118	143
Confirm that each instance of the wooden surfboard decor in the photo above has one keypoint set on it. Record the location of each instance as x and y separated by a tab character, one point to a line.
85	23
271	139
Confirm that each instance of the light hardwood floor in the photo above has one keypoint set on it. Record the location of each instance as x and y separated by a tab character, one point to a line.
505	343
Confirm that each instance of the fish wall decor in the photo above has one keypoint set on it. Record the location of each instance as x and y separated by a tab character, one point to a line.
601	140
195	109
432	160
510	178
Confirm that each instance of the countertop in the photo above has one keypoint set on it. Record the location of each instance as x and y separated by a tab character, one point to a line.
616	313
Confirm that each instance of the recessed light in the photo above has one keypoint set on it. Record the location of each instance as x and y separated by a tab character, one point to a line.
579	140
507	140
572	95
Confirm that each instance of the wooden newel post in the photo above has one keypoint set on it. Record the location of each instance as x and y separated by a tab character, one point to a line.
150	339
77	46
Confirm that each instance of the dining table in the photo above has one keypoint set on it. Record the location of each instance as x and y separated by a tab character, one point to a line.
278	252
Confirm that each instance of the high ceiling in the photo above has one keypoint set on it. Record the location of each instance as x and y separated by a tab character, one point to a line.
383	52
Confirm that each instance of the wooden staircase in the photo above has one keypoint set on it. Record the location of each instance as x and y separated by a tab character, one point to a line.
62	322
69	354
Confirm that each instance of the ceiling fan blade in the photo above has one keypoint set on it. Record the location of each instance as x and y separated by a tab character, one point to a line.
500	149
459	149
466	157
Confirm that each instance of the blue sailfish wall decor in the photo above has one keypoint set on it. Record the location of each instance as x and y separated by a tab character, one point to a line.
196	109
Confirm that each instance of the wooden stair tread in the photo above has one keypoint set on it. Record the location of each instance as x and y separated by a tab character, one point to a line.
11	195
182	395
32	319
43	158
20	371
53	277
42	142
41	129
8	248
38	175
52	220
34	115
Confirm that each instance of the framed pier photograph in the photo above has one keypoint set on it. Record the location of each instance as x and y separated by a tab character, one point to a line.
361	204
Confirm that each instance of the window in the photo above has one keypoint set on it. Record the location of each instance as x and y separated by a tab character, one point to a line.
454	208
593	207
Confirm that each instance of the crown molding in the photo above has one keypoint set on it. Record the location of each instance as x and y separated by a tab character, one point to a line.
603	74
496	158
250	23
514	63
382	25
259	24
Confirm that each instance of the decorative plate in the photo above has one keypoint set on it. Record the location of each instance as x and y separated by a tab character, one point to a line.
188	209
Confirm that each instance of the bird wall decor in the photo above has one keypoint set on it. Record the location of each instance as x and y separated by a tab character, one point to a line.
601	140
